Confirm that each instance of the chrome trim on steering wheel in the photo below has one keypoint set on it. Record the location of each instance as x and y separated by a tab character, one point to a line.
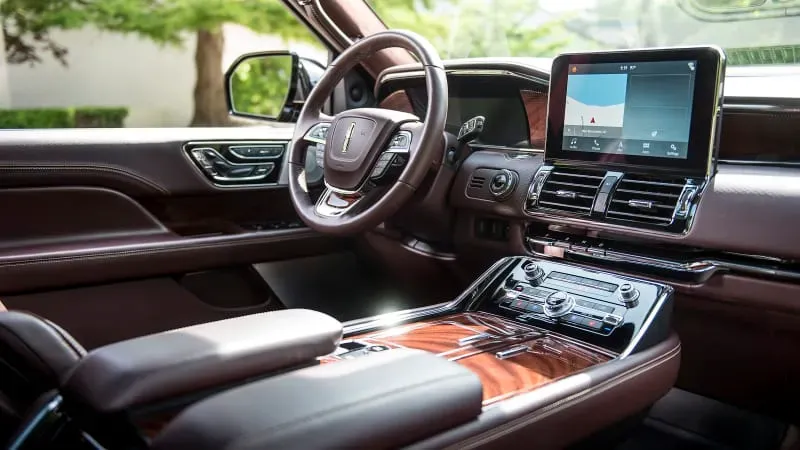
325	209
318	133
343	191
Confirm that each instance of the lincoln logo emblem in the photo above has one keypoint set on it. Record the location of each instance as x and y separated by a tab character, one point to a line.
347	137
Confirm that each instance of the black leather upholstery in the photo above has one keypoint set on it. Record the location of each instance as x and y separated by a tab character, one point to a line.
35	354
386	400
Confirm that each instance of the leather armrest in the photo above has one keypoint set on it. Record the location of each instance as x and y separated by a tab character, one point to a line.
188	360
386	400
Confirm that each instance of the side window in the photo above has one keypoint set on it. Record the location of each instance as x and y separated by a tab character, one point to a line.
138	63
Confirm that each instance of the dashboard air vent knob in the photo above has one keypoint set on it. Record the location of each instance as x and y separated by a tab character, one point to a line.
629	295
533	273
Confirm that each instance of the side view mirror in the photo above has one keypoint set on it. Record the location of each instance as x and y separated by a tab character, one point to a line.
264	85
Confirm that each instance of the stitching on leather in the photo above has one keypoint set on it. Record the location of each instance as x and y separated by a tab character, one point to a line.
67	340
105	170
548	410
124	253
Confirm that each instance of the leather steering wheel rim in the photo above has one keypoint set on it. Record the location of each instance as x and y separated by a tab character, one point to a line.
375	126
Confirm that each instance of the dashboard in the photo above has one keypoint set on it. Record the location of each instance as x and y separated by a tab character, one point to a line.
727	199
515	110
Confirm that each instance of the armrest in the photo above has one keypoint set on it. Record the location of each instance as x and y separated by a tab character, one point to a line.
386	400
188	360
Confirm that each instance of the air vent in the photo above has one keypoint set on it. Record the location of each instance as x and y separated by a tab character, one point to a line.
570	190
476	182
646	199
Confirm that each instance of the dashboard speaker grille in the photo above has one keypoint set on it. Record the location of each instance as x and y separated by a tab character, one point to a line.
646	199
570	190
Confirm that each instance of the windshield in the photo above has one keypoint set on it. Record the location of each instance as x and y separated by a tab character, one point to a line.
752	32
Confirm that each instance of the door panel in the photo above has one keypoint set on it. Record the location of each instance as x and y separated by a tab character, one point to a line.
100	315
137	162
102	226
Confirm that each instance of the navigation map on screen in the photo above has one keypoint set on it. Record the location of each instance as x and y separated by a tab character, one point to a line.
642	109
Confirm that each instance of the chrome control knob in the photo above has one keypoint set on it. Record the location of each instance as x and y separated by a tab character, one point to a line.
533	273
503	184
629	295
558	304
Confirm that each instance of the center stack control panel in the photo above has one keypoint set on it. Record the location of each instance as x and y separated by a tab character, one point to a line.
602	308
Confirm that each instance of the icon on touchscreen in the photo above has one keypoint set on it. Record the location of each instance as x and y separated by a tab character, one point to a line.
692	65
573	141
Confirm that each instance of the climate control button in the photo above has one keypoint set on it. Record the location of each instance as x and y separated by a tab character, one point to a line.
533	273
629	295
558	304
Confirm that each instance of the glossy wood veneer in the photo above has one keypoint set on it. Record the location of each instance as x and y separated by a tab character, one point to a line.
536	111
545	359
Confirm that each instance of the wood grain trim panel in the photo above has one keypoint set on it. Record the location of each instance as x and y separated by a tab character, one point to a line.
545	359
536	111
398	101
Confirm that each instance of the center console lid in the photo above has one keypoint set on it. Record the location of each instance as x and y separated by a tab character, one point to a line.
188	360
391	399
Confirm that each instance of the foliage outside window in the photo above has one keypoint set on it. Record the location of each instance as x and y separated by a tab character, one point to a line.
260	85
751	31
88	117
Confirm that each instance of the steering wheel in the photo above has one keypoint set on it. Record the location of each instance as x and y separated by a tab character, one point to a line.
362	145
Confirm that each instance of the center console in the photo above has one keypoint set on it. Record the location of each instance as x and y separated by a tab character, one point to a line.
530	349
530	322
616	313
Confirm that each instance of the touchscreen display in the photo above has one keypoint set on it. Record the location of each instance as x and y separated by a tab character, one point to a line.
630	108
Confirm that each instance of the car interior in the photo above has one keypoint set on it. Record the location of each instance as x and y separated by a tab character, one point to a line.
417	253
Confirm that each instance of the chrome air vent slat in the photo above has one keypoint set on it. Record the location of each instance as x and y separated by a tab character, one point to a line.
640	192
646	199
589	197
570	190
564	205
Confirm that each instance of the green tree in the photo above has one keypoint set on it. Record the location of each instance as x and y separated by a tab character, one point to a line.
473	28
27	25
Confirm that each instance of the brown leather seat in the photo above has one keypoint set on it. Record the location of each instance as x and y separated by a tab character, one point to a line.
34	355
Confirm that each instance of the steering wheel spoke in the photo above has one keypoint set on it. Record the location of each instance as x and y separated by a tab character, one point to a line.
318	133
333	204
